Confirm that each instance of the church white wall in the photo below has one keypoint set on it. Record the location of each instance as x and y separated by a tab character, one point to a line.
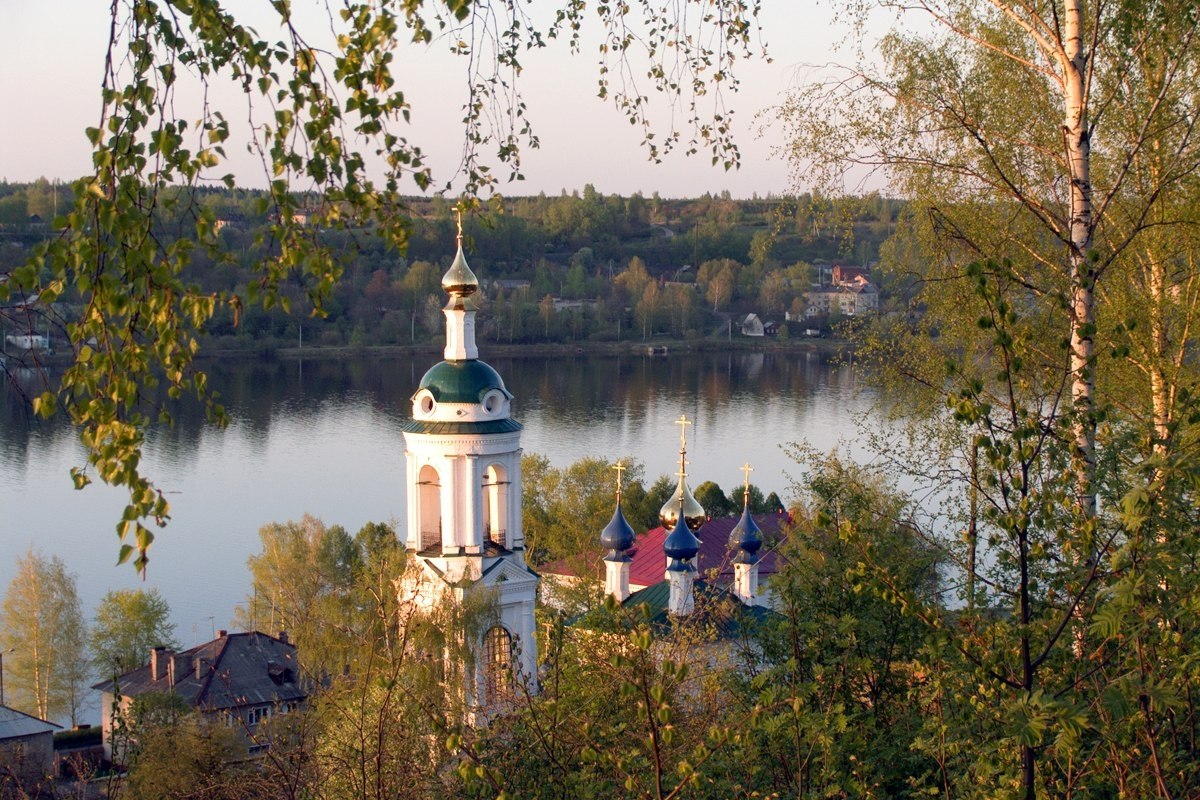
461	463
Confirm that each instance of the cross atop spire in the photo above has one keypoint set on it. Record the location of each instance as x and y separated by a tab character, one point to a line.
746	470
682	504
683	422
458	219
620	468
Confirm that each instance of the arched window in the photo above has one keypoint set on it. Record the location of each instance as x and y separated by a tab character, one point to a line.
497	665
495	506
429	503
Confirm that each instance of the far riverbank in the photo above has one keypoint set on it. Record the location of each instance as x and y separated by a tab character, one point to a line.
559	349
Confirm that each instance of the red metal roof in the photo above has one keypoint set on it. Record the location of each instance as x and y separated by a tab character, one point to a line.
649	563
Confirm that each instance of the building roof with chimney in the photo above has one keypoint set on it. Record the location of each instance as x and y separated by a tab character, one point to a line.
232	671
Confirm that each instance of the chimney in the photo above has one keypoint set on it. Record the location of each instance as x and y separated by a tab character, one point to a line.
178	665
158	663
283	637
221	634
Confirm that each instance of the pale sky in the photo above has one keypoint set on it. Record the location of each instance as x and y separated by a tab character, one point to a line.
51	57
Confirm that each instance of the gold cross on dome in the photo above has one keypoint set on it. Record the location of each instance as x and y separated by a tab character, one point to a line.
683	422
458	217
620	468
747	469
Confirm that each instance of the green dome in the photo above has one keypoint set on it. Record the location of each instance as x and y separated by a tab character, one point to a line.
461	381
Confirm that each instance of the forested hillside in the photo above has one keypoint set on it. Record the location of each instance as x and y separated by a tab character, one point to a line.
570	268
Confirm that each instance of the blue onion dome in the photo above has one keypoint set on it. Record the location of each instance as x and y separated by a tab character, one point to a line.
617	536
746	536
681	544
459	281
692	512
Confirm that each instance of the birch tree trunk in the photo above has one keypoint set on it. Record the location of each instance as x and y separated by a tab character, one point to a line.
1077	141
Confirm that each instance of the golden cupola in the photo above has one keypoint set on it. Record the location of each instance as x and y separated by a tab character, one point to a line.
682	502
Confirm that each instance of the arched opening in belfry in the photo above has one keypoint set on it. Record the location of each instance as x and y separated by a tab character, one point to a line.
495	504
497	665
429	507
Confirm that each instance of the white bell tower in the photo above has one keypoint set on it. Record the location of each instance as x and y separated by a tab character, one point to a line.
463	452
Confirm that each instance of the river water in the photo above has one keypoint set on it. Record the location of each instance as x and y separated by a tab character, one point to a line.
323	437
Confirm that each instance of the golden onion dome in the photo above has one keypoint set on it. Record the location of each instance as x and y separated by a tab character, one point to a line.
693	513
459	281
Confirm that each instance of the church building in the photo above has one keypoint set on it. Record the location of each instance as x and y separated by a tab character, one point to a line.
724	618
463	453
727	556
684	518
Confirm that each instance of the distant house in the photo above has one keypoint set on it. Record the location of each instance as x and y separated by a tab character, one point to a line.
573	305
238	679
819	302
298	216
28	341
855	299
753	326
26	748
233	222
507	285
845	276
866	299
